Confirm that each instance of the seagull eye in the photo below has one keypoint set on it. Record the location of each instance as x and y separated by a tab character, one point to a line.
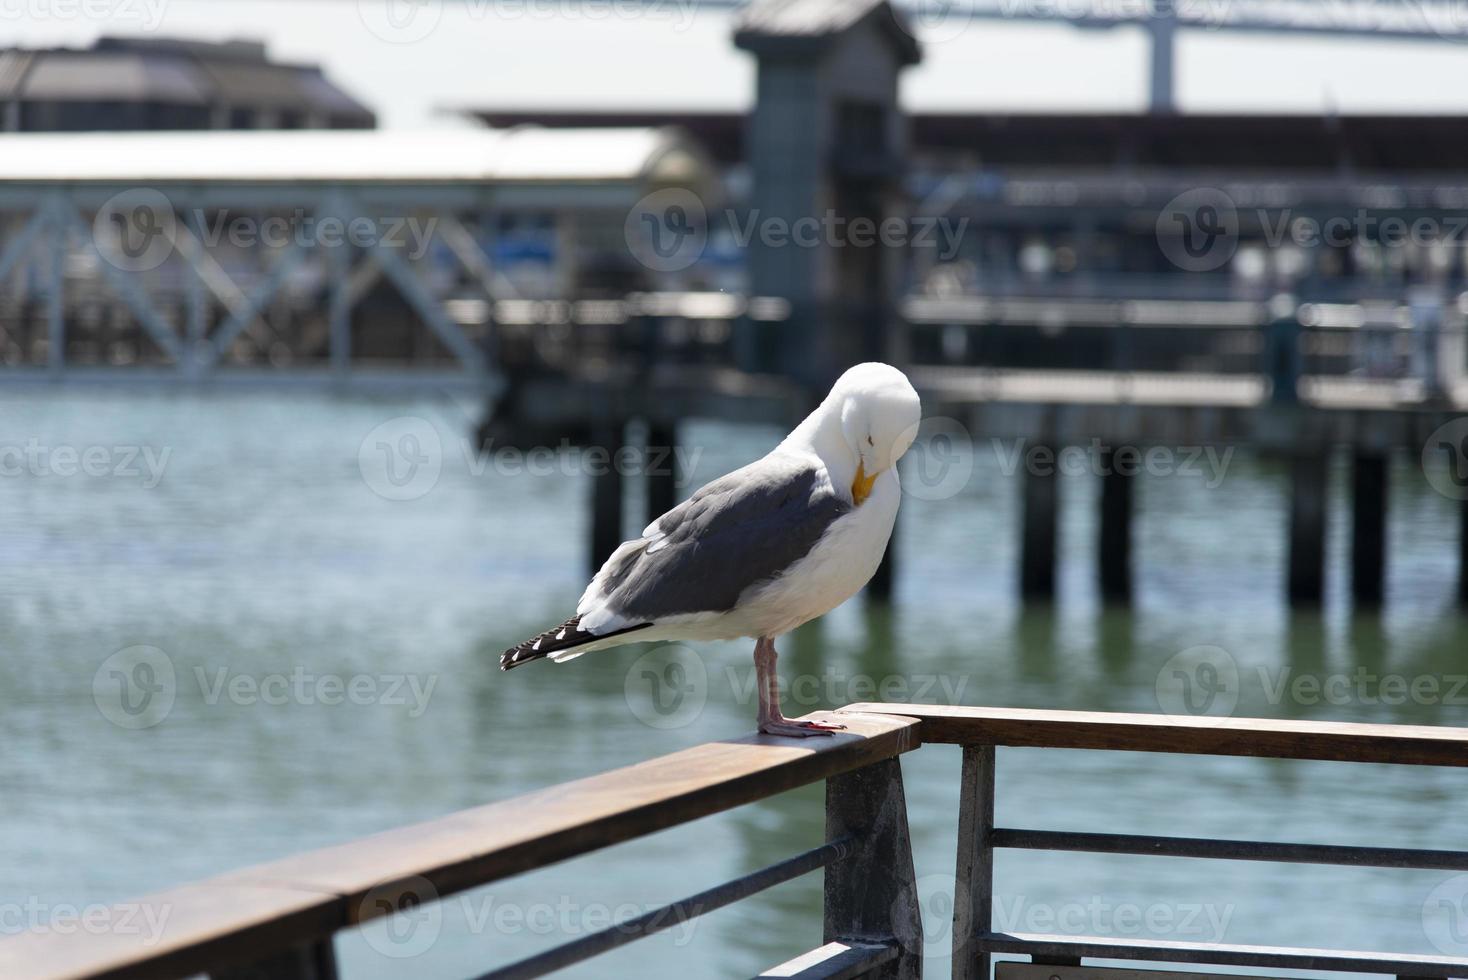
870	442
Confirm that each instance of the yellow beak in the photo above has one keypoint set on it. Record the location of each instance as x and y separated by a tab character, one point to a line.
861	485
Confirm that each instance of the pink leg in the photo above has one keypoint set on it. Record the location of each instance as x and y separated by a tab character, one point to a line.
767	683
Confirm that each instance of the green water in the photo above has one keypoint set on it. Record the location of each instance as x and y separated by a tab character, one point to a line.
261	563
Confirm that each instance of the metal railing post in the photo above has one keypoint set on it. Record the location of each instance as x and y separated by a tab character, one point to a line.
312	961
973	898
872	896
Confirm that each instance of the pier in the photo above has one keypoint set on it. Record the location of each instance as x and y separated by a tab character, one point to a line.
278	920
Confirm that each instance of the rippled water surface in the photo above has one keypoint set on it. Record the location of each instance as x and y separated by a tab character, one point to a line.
264	565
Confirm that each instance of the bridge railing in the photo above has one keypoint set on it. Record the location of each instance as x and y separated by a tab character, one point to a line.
278	920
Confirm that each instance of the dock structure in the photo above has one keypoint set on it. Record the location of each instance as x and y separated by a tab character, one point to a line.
571	277
280	919
346	259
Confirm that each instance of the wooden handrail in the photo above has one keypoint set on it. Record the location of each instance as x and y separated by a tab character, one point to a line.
278	918
1414	745
271	909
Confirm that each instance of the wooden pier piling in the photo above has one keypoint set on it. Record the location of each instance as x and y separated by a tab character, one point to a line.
606	491
1037	543
1114	545
661	468
881	585
1307	530
1368	527
1463	555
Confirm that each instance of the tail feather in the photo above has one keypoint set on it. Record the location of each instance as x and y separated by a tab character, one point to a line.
557	639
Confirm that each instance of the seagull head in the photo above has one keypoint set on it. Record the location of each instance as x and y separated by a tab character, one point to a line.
880	413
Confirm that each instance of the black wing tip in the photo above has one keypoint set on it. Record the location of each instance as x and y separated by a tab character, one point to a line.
566	636
542	645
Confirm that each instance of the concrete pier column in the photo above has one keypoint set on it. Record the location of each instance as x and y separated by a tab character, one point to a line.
1368	527
606	491
1114	545
1037	539
661	463
1307	530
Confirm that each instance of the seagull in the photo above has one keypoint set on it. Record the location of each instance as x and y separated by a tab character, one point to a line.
762	550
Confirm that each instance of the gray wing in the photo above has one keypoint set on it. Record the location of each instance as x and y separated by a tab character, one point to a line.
738	531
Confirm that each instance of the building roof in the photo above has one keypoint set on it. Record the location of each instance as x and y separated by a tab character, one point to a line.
303	156
175	72
1099	141
797	27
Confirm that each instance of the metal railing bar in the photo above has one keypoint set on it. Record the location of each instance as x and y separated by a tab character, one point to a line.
833	961
1231	850
1279	957
674	914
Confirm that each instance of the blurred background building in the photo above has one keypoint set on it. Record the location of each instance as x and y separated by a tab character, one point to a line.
123	83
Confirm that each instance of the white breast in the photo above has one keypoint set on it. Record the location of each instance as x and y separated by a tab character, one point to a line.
841	563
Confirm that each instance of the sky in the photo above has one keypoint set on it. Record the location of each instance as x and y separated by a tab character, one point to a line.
411	59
